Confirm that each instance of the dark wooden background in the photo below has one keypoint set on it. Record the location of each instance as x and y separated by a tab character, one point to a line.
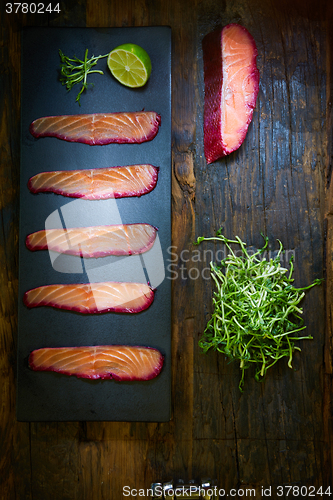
275	433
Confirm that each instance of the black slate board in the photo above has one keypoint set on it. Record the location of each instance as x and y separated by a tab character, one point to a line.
47	396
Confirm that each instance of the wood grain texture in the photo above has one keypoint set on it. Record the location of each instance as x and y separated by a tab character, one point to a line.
328	258
279	182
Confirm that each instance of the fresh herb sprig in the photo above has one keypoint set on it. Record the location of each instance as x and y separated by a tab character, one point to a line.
74	71
256	315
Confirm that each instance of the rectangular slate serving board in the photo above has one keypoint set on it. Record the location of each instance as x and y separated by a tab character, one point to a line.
47	396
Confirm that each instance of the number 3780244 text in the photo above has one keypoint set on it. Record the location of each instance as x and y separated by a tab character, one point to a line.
31	8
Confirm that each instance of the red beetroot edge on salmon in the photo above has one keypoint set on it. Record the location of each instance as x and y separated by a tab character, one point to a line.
146	303
97	142
80	250
108	376
214	146
95	195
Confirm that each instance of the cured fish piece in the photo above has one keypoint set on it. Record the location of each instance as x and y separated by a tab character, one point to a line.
99	362
99	128
92	298
95	241
231	88
97	183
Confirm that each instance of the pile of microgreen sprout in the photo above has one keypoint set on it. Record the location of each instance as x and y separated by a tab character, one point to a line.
256	314
74	71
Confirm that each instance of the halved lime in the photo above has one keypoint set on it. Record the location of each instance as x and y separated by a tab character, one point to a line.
130	65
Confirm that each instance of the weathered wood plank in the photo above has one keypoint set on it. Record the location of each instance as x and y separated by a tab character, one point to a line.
328	256
274	183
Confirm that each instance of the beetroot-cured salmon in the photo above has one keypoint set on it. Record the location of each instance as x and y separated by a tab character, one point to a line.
231	87
99	362
95	241
99	128
97	183
92	298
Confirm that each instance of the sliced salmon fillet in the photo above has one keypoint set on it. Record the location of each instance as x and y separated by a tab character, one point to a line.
95	241
231	88
99	362
97	183
99	128
92	298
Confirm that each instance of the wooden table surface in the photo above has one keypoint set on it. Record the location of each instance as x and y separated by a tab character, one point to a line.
278	432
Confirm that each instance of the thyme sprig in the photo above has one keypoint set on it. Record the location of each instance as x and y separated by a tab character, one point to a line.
74	71
256	315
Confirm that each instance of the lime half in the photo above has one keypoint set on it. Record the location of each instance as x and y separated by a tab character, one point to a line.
130	65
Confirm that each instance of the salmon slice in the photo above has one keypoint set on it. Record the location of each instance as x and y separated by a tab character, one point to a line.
97	183
92	298
99	128
231	88
105	362
95	241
